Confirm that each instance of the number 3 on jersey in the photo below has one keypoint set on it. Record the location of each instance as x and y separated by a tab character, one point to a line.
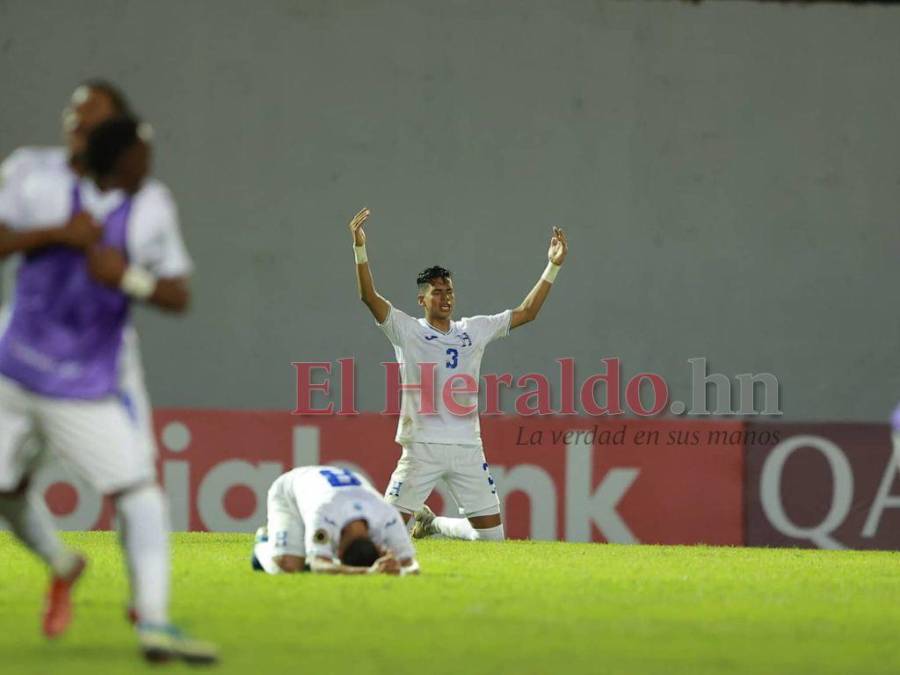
342	478
454	358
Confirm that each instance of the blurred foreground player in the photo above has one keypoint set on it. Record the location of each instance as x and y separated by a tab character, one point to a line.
447	444
94	101
332	521
61	357
91	103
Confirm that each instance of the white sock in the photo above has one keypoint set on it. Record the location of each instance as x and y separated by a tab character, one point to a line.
455	528
32	523
145	533
119	523
461	528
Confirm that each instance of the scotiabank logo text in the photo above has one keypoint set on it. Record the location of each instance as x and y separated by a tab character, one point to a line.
578	479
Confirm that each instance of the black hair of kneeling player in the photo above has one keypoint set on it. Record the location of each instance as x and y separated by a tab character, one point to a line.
360	553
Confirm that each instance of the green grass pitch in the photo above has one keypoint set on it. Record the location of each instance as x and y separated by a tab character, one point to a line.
516	607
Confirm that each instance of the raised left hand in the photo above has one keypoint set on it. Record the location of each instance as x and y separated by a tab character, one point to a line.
559	246
106	265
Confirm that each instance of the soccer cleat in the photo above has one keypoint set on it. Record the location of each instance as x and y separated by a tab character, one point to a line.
166	643
262	534
424	525
58	609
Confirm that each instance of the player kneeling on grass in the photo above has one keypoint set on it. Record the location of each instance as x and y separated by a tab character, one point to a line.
444	444
331	520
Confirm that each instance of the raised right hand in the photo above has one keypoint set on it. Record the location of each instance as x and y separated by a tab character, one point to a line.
356	229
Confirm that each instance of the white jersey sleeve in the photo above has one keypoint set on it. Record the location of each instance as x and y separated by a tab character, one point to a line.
397	326
490	327
395	536
16	190
12	171
322	536
154	235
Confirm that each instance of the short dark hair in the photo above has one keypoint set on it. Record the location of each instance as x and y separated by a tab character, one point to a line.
108	141
360	552
429	274
115	95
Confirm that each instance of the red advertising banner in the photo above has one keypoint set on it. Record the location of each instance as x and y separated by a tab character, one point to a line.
567	478
626	481
822	485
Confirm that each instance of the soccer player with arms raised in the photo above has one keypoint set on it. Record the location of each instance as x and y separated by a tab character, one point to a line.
444	445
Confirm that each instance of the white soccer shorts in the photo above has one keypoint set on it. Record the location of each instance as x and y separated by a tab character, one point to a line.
462	467
102	440
287	534
131	383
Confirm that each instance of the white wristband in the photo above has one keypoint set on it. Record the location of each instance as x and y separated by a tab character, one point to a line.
138	282
359	252
550	273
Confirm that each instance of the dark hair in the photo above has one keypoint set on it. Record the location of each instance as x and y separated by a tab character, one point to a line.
429	274
111	91
360	552
108	141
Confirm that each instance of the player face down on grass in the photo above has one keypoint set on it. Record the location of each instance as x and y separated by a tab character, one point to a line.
330	520
356	548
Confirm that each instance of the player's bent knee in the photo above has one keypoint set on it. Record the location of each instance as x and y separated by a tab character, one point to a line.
290	563
131	489
486	522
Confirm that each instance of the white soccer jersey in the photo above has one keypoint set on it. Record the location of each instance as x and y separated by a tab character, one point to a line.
329	497
456	352
44	199
13	172
17	167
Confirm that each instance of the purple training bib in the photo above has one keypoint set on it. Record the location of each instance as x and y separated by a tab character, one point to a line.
65	332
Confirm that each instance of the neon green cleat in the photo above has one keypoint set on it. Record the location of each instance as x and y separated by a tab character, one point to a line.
424	525
166	643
